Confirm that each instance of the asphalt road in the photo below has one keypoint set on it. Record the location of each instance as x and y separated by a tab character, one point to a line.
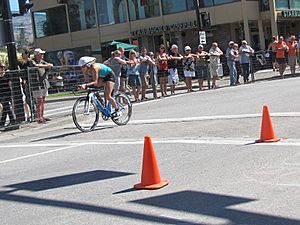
204	143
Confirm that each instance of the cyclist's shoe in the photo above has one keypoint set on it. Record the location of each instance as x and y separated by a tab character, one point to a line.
116	114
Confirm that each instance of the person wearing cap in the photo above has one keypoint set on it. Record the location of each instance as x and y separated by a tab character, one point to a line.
292	54
173	63
214	63
189	67
102	75
162	71
5	97
245	52
231	62
40	83
145	62
281	49
133	74
201	66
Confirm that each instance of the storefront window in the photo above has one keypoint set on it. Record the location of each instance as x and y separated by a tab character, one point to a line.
264	5
282	4
174	6
143	9
111	11
51	21
295	4
220	2
81	14
206	3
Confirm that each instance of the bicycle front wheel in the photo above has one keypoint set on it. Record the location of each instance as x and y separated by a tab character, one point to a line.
125	109
85	115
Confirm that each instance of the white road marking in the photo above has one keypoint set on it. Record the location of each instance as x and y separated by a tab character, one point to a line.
37	154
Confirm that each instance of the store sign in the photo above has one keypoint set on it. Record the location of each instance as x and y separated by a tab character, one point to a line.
160	29
202	37
290	13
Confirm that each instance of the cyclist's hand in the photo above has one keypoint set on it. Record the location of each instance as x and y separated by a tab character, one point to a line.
82	87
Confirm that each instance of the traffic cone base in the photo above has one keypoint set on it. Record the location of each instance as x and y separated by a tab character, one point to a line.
153	186
268	141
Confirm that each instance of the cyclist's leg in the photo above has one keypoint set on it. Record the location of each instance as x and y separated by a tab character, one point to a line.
109	87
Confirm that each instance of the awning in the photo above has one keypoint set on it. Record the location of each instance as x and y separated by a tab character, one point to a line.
126	46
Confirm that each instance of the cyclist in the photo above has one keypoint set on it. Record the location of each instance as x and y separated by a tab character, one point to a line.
102	76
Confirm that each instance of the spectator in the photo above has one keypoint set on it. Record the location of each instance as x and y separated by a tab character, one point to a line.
133	74
173	63
292	54
272	49
245	52
23	65
231	59
214	60
145	62
5	97
163	70
189	67
123	77
281	49
58	82
201	66
115	63
40	83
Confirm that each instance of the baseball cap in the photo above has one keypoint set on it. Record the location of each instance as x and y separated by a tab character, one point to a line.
244	42
200	46
231	43
38	51
187	48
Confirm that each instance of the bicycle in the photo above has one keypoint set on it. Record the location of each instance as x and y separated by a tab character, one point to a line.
86	110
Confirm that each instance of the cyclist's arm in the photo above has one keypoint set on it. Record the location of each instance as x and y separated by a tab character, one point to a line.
86	79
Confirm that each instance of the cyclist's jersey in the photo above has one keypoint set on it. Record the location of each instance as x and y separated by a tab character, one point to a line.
104	70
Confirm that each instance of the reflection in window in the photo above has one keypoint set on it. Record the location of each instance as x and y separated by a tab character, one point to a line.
111	11
51	21
295	4
142	9
174	6
81	14
282	4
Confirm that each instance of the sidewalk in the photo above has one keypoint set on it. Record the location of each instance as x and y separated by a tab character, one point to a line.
263	75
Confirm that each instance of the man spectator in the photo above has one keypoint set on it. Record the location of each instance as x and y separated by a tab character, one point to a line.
40	83
231	58
145	61
214	59
281	48
173	63
245	52
123	77
5	97
115	63
272	49
201	66
292	54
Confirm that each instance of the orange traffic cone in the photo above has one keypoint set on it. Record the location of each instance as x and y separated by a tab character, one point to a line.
267	131
150	172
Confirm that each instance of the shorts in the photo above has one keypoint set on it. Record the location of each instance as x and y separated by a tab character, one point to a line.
201	72
144	79
173	76
123	83
134	80
162	73
36	94
109	77
281	60
189	73
292	60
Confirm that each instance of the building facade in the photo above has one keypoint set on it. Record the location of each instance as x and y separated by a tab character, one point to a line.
87	25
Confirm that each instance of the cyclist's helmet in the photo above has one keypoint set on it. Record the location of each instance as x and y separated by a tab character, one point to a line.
86	61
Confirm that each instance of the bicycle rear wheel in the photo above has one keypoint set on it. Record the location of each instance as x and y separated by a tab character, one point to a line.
125	109
85	115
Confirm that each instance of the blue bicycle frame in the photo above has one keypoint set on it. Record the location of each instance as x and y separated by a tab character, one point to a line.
104	110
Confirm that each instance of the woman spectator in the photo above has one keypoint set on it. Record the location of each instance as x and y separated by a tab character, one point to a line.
281	49
292	54
189	67
214	62
201	66
173	63
163	70
133	75
272	49
5	97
